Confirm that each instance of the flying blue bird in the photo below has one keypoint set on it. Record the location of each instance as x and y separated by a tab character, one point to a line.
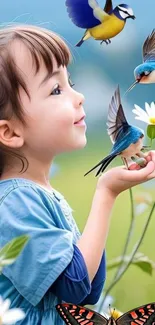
101	24
145	72
127	139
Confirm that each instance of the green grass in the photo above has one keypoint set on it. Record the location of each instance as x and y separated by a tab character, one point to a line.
136	287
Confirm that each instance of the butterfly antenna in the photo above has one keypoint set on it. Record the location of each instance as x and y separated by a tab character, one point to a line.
113	312
109	309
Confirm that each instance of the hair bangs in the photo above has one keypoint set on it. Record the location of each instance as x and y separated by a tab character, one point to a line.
44	45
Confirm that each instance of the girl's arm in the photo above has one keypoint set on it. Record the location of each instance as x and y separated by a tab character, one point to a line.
93	240
109	186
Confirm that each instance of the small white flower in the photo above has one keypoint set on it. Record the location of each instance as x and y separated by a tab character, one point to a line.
105	306
107	311
9	317
140	208
147	115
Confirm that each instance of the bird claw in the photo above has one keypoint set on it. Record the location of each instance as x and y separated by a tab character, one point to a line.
145	147
140	161
108	41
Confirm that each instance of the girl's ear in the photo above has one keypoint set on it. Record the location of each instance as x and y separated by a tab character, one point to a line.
10	135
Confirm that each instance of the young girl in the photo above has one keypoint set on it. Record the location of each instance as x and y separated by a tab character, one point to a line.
41	115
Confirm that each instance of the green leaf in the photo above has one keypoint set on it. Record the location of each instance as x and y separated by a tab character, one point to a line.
11	250
144	263
140	260
151	131
114	263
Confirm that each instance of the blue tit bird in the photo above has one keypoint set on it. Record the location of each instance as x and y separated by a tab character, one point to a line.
145	72
101	24
127	139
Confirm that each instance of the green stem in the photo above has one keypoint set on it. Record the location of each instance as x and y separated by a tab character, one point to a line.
129	235
139	242
132	255
131	227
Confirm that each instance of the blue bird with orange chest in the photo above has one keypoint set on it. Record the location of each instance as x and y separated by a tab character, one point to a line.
127	139
101	24
145	72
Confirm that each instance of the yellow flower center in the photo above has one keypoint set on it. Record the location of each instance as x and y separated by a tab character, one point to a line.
115	313
1	321
152	120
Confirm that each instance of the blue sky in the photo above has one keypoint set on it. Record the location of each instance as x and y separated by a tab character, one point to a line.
97	69
55	11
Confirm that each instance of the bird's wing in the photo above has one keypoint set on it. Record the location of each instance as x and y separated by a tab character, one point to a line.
116	119
85	13
149	47
108	6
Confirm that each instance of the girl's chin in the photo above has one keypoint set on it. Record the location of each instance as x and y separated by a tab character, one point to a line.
80	144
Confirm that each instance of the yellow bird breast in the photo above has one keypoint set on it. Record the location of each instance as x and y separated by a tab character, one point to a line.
108	29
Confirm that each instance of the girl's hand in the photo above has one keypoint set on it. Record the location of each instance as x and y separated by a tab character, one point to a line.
119	179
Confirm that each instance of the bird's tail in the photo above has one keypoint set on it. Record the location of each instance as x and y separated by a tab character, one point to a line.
104	163
84	38
80	42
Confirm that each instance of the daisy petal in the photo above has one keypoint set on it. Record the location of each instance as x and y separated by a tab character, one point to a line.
1	301
4	307
136	112
141	111
153	106
138	108
146	120
152	109
13	316
148	109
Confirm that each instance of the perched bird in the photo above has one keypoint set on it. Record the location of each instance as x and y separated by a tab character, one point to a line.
127	139
101	24
145	72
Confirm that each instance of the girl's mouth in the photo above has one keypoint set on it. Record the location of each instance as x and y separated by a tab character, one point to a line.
80	122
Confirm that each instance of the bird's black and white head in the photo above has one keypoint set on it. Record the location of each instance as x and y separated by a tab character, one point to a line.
124	12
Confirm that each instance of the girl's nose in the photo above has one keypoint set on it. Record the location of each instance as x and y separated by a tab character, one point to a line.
79	99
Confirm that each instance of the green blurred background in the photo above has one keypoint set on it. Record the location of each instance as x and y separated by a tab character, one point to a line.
96	70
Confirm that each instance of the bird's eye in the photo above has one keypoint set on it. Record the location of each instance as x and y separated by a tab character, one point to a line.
146	73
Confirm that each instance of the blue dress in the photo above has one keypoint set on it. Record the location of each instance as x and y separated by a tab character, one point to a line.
28	208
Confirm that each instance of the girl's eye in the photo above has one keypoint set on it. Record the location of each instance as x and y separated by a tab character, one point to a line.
56	90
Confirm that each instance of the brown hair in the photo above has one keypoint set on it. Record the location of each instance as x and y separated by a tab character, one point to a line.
42	44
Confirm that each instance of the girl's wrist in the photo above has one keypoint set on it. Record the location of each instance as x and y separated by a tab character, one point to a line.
105	192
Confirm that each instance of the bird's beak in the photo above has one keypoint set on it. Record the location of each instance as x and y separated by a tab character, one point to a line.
133	17
132	86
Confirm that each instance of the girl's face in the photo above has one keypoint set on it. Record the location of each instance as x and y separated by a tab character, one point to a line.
54	112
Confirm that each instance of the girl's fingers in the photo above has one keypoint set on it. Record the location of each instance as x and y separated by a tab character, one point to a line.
142	174
134	166
150	156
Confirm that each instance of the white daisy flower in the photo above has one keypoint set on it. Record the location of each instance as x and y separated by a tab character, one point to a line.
147	115
9	317
107	311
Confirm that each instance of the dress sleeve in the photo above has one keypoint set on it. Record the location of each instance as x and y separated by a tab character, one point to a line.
97	284
48	251
73	284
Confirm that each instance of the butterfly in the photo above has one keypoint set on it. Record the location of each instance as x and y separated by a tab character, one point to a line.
78	315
